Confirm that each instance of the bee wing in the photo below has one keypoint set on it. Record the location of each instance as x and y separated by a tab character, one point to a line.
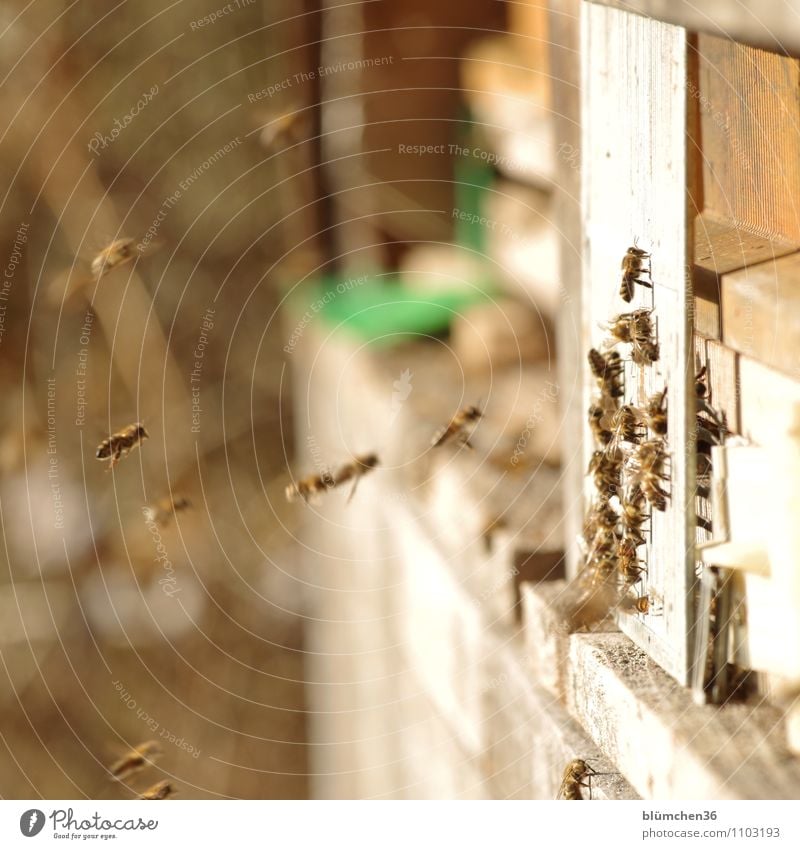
353	489
441	436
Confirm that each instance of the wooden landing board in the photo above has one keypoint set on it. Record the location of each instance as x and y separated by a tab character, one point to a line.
634	186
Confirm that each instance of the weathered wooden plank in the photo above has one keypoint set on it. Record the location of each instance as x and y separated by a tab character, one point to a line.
564	30
767	401
707	319
665	745
634	186
531	738
761	312
763	25
749	109
722	379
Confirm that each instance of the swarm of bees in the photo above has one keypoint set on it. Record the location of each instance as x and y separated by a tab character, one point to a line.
628	468
135	761
577	774
121	443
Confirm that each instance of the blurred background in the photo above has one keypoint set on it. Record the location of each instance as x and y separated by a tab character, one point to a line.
336	207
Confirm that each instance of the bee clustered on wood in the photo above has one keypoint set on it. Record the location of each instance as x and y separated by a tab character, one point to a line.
628	468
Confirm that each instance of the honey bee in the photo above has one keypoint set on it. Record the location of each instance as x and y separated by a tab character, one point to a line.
646	465
460	427
573	780
633	516
626	425
289	125
636	328
608	370
632	603
135	760
166	508
160	790
120	444
644	348
655	412
310	487
633	267
354	471
629	565
601	435
700	385
606	467
601	518
113	256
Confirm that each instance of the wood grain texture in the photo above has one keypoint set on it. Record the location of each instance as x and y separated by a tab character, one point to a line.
665	745
767	24
564	29
761	312
749	112
635	177
723	382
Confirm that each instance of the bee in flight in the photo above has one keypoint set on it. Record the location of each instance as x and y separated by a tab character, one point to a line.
160	790
135	760
119	252
460	428
163	511
121	443
574	777
308	488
